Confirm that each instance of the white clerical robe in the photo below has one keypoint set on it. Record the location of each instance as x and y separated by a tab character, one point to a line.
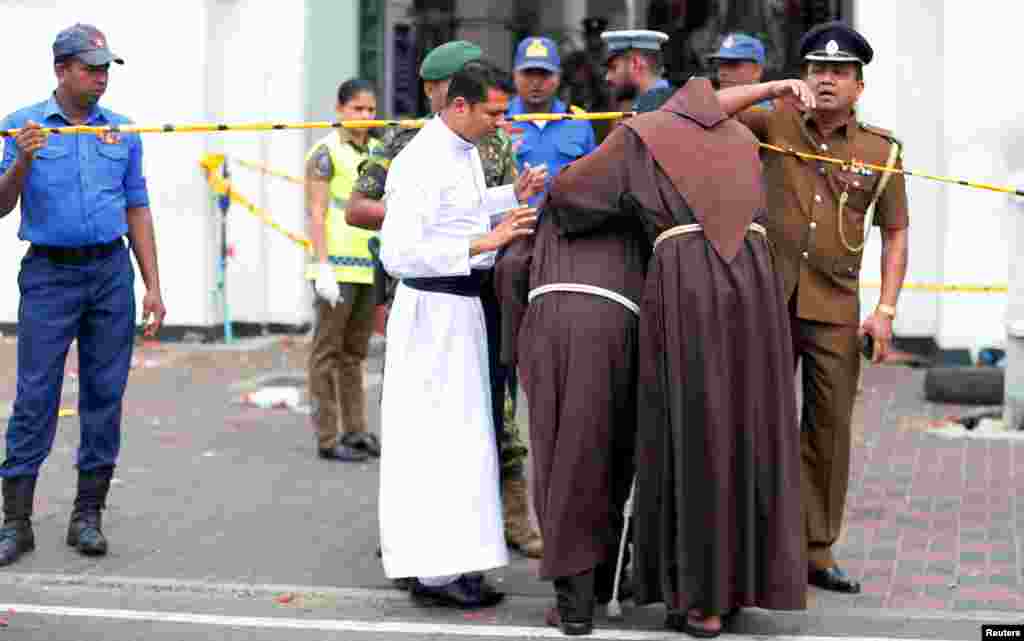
440	505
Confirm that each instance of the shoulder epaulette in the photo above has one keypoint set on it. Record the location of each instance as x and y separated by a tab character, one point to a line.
884	133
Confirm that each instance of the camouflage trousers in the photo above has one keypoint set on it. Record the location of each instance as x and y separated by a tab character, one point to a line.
511	446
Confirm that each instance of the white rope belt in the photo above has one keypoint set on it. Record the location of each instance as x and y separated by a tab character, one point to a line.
679	230
580	288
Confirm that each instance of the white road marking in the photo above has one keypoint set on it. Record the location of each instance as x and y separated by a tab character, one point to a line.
380	627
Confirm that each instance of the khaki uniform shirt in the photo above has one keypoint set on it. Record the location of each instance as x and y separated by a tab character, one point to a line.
804	212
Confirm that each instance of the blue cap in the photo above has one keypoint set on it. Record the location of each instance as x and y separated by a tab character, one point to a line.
85	42
835	42
538	53
620	42
740	46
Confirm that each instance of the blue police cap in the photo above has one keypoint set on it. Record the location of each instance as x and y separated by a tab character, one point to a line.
620	42
537	53
740	46
835	42
85	42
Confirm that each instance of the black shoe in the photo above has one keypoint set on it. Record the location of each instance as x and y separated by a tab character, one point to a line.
680	622
16	537
568	628
574	602
404	584
488	592
85	532
460	593
364	442
344	453
833	579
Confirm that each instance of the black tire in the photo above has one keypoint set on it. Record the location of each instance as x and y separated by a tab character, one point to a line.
965	385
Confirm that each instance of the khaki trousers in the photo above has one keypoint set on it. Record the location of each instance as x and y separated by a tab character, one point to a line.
340	346
829	356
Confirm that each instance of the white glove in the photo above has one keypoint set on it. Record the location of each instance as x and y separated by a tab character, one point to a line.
326	285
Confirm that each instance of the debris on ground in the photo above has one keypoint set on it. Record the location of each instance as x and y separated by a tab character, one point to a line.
272	397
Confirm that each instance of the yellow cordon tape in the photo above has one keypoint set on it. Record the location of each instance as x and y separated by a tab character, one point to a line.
211	163
263	169
997	288
412	124
855	164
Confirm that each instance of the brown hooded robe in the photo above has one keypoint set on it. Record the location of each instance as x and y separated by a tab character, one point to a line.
718	505
577	358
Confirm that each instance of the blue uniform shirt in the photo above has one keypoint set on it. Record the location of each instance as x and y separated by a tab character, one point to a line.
78	187
660	83
556	144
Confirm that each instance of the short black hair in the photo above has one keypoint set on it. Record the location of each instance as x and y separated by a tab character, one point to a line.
353	87
503	80
471	85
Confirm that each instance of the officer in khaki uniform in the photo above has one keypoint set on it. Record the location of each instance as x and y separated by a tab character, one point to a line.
343	274
366	209
818	217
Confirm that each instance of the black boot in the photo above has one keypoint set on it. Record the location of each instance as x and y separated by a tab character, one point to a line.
16	536
574	601
86	529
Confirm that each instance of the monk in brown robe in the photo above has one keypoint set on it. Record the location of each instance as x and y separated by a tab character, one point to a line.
571	323
718	505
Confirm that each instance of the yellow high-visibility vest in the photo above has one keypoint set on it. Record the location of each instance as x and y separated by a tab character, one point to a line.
347	246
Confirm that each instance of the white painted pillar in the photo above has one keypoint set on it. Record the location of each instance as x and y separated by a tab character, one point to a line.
1013	409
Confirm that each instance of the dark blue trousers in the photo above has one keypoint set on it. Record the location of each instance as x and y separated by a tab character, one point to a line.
94	303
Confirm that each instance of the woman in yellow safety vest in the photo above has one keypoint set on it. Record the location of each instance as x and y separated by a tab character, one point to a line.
342	275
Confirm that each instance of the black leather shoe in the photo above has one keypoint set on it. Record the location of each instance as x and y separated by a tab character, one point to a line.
488	592
574	603
85	533
464	592
460	593
568	628
16	537
15	540
363	441
404	583
833	579
344	453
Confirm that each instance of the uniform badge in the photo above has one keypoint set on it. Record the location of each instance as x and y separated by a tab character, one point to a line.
728	42
109	137
832	48
537	49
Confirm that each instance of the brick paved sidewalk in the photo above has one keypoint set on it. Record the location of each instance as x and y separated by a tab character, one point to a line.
931	523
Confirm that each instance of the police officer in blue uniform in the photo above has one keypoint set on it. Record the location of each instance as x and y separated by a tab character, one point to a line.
554	143
740	61
80	196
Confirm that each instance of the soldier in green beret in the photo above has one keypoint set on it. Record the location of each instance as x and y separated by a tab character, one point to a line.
366	209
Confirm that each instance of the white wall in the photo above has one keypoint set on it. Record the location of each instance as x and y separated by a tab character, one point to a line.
148	88
208	60
940	82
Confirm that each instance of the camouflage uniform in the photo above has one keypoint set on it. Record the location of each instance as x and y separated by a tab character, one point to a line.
499	165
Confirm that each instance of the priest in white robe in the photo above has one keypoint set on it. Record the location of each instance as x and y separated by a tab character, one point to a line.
440	509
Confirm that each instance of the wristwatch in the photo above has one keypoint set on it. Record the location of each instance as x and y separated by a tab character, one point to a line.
888	310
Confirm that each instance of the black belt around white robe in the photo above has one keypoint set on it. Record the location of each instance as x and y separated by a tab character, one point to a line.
470	286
